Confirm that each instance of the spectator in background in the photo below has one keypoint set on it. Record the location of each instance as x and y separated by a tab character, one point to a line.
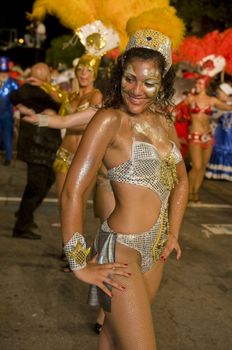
16	72
200	138
29	36
37	147
7	85
40	34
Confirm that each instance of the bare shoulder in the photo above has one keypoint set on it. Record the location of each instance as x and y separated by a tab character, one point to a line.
97	92
101	131
96	98
213	100
190	98
107	118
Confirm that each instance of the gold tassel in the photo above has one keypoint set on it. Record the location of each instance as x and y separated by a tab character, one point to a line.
168	172
157	247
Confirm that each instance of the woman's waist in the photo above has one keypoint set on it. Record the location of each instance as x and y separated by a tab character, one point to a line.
71	142
150	191
133	220
200	125
195	129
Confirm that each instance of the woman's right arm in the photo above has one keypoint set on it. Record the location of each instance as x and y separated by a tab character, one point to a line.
74	120
94	145
221	105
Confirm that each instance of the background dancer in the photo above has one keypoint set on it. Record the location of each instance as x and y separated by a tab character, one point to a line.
200	138
220	164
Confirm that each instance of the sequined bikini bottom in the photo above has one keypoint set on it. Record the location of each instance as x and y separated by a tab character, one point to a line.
63	160
203	139
149	244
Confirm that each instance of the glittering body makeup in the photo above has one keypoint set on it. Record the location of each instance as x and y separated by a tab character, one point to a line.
148	169
63	156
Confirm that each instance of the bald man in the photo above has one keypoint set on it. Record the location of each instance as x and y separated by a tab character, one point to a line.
37	147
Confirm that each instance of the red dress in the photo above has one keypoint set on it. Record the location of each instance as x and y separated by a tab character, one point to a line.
182	121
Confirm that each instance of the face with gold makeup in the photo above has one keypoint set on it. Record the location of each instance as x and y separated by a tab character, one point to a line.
141	82
85	75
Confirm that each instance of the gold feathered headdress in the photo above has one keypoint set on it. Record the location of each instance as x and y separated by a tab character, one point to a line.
122	17
97	40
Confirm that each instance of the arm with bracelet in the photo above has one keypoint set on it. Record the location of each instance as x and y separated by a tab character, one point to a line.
75	120
76	252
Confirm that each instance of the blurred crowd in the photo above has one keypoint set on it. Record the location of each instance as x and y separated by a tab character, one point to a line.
12	76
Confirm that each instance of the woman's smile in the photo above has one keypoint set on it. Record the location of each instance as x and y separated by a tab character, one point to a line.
140	85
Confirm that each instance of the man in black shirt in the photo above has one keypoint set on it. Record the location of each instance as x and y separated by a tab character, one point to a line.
37	147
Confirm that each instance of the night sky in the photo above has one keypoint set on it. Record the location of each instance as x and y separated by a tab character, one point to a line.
13	15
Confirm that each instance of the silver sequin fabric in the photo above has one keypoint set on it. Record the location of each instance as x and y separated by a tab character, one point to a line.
144	169
144	242
70	246
64	155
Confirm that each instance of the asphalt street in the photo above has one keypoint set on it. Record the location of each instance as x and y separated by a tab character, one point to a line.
43	308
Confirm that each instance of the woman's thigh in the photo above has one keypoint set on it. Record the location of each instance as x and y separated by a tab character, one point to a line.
153	278
130	320
207	154
60	180
196	156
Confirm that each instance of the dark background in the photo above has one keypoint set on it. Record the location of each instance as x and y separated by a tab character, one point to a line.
13	15
200	17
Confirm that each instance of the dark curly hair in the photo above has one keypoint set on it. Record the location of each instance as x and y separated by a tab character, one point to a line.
164	104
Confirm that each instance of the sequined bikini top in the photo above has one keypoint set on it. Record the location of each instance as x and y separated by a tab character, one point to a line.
197	109
146	168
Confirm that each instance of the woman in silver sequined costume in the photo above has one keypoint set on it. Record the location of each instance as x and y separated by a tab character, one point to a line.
135	138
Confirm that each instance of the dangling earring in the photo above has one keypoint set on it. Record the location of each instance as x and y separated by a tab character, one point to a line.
152	107
159	96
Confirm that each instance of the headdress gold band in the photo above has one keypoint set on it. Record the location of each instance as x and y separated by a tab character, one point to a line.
153	40
97	40
90	61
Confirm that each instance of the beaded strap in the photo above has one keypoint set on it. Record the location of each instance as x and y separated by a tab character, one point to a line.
51	89
76	252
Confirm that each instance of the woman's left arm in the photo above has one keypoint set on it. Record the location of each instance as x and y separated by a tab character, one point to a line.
221	105
177	205
96	99
178	199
